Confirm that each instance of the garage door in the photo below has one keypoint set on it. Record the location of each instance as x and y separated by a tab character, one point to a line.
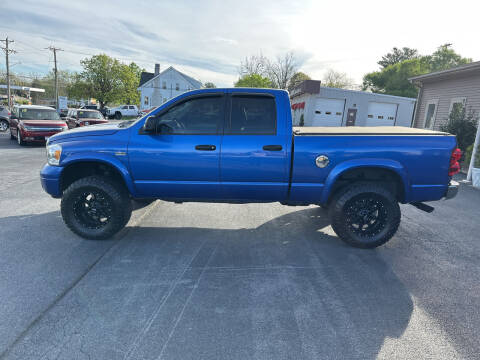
381	114
328	112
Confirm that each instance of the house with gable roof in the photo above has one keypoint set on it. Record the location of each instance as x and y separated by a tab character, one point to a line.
159	87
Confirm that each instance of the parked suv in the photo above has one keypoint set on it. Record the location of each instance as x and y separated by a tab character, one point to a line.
4	118
31	123
121	111
84	117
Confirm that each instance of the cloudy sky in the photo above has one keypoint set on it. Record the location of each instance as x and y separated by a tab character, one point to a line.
208	39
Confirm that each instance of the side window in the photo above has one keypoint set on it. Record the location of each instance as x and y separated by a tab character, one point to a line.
195	116
125	107
430	113
252	115
131	107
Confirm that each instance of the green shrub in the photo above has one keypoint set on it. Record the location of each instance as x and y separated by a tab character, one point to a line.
463	125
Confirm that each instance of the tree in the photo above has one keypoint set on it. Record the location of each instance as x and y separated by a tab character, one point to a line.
393	79
78	89
253	81
296	80
463	124
130	78
278	71
281	71
337	79
445	58
209	85
398	55
102	75
255	64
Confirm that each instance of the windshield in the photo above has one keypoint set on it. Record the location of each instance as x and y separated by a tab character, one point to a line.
38	114
89	115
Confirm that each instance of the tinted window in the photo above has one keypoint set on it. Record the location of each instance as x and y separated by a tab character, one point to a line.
131	107
253	115
194	116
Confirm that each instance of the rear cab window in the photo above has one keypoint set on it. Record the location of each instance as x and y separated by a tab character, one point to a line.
251	114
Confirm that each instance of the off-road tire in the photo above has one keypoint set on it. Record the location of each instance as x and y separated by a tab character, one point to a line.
117	196
376	192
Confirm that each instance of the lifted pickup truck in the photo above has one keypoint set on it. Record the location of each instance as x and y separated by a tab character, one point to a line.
238	146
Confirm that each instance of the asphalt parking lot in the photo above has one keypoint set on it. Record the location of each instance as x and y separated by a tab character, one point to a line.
220	281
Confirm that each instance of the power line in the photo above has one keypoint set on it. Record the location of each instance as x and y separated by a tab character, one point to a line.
7	52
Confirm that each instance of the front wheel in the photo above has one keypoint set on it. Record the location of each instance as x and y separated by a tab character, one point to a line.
20	141
118	115
365	215
95	208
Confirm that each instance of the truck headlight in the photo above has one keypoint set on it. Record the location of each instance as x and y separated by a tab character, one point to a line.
53	154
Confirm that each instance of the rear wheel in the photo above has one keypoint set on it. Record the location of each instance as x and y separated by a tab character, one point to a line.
95	208
365	215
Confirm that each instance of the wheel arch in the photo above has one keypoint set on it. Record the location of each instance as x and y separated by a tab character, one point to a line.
385	170
79	168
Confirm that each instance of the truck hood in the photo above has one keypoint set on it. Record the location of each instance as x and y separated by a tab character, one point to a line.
93	130
40	123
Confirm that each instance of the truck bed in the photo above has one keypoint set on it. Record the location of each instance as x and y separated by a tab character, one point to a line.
362	130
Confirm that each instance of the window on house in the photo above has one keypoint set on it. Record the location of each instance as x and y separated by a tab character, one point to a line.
145	100
164	84
177	86
430	113
457	104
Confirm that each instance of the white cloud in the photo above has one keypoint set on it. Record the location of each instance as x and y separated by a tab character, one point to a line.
208	39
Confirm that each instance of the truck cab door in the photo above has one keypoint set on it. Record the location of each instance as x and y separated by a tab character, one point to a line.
255	148
180	160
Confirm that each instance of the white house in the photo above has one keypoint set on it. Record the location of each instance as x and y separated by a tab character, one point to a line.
158	87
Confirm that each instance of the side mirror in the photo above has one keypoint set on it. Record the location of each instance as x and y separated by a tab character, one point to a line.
149	125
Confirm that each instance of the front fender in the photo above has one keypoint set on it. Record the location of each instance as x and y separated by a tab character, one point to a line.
111	158
387	164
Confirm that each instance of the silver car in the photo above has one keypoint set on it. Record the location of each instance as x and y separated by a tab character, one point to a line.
4	118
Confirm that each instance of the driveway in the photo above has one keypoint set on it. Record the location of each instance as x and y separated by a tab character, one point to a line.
220	281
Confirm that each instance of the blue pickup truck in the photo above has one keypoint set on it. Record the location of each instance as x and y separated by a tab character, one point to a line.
238	146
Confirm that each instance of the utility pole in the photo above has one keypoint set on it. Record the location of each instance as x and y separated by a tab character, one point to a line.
7	52
54	49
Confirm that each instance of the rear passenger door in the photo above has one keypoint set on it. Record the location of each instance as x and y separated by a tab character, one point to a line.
254	150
